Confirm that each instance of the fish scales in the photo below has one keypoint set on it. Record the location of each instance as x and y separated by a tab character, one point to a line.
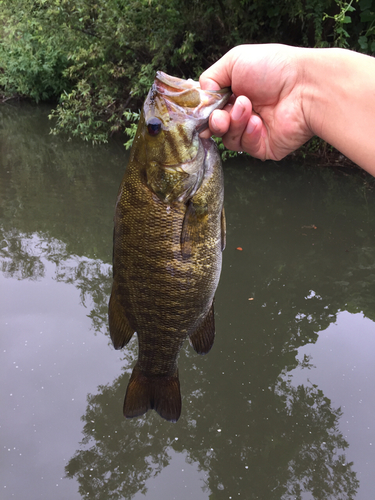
168	240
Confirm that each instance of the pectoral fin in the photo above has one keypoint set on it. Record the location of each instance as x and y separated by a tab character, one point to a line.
223	230
194	228
119	328
203	338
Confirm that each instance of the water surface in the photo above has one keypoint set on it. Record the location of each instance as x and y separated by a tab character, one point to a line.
281	408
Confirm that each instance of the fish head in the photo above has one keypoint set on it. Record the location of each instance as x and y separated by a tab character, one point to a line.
174	113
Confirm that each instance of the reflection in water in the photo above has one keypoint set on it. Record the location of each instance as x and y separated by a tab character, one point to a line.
291	444
20	257
62	191
24	257
308	253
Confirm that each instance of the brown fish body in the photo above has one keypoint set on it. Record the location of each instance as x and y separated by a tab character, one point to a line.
168	238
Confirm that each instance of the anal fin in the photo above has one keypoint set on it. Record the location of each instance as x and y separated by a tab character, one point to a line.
203	338
161	393
119	328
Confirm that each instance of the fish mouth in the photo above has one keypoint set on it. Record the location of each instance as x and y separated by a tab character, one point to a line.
187	94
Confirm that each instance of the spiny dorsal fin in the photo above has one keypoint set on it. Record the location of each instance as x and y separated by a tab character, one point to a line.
119	328
203	338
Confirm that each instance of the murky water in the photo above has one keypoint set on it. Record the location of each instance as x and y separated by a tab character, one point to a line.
281	408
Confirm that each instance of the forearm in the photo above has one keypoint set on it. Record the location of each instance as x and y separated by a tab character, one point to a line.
339	101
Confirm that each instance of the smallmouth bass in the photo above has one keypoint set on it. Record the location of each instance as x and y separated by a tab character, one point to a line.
169	233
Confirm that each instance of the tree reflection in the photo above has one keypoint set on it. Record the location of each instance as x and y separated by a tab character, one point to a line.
26	257
18	257
56	206
94	281
63	191
282	443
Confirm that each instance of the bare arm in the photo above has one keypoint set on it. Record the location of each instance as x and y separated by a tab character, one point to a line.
285	95
339	102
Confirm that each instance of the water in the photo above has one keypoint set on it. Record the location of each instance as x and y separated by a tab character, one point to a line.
281	408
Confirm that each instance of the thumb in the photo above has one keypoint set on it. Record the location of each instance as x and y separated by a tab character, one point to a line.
219	75
207	83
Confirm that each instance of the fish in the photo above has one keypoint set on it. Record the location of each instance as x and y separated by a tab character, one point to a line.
169	234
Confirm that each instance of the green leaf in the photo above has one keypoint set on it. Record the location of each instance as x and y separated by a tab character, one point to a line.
362	41
367	16
365	4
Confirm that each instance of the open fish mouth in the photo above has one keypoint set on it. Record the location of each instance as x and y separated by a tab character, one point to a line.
187	94
175	112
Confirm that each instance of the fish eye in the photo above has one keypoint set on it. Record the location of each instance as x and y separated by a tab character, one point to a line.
154	126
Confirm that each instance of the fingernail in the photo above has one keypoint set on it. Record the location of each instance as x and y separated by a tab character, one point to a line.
237	111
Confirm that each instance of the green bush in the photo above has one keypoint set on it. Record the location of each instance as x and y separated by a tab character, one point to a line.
32	59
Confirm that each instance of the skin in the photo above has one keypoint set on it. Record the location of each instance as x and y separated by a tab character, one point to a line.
283	96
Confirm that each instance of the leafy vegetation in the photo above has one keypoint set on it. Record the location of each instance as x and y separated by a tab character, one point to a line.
97	58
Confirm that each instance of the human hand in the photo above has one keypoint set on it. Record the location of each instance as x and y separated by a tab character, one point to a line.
265	117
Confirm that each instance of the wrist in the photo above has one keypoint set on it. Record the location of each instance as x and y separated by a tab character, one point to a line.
317	88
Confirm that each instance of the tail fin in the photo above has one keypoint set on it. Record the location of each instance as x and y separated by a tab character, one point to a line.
159	393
